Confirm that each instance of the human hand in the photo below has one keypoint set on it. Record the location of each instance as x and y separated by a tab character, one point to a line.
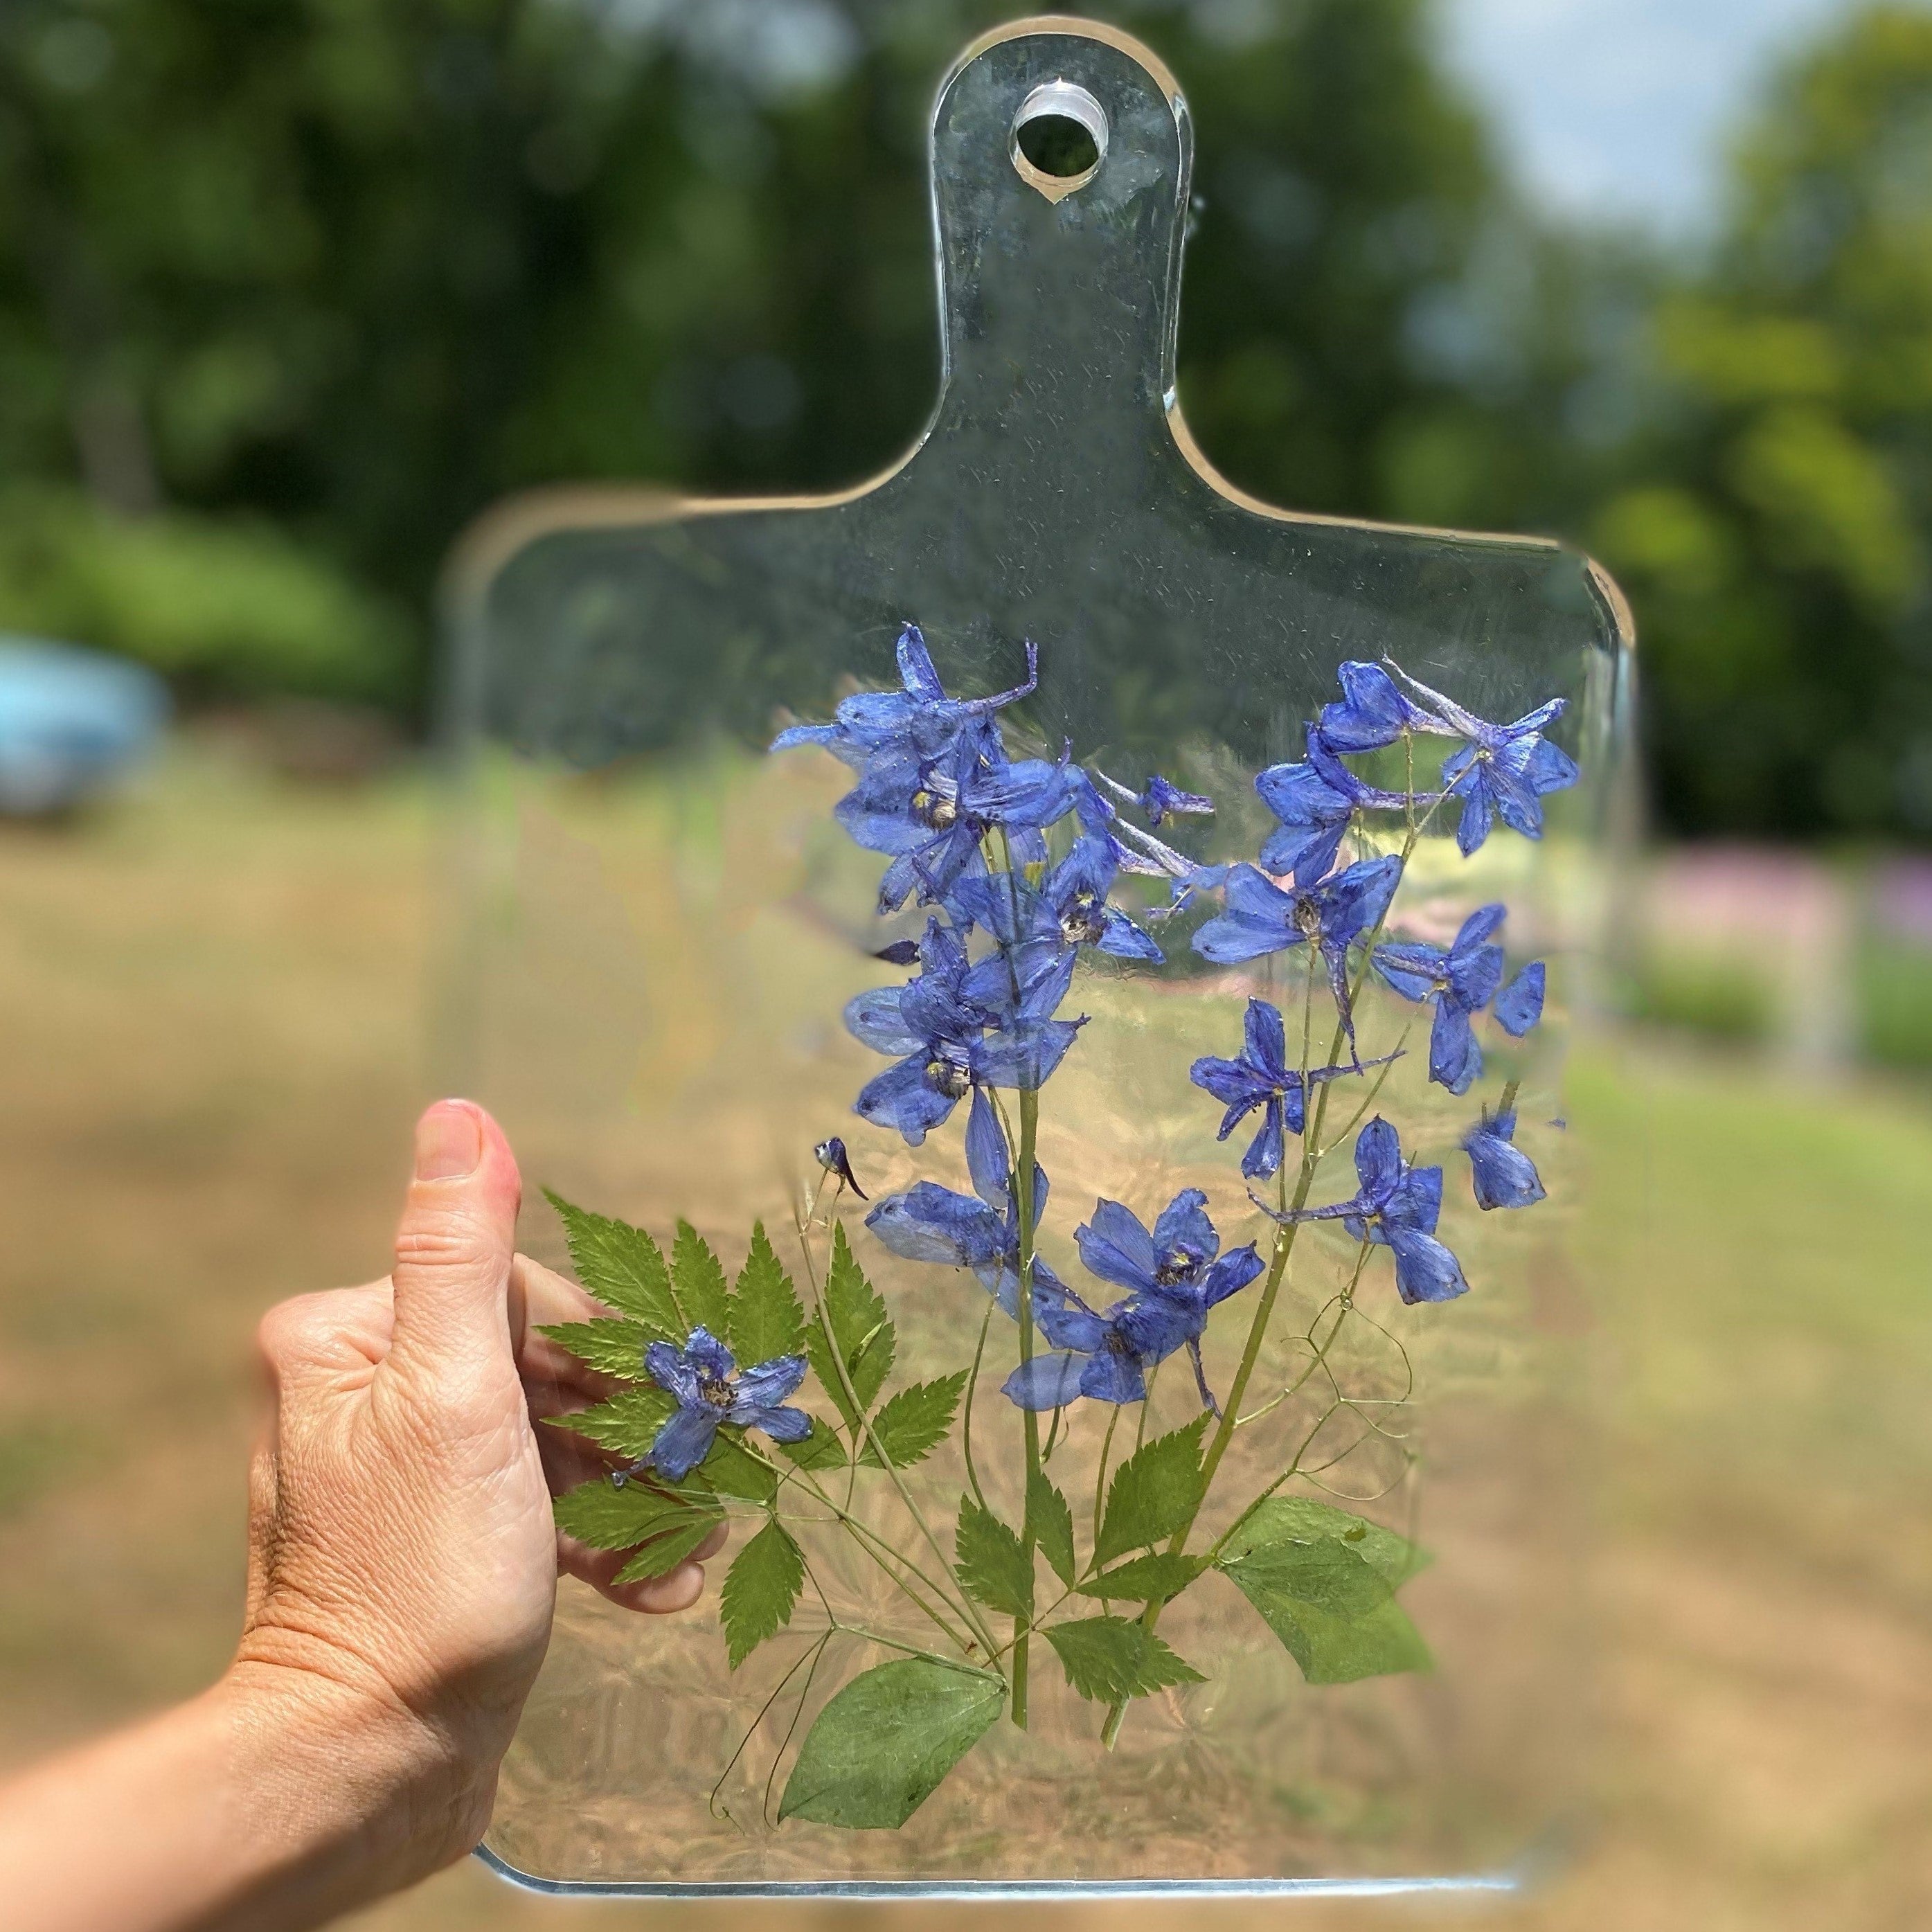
403	1559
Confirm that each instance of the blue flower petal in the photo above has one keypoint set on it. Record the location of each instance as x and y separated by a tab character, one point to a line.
1425	1270
1112	1377
685	1441
1230	1274
1519	1005
1116	1247
767	1384
782	1425
1049	1381
1268	1148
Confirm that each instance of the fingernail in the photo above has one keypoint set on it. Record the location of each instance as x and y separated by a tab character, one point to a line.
449	1142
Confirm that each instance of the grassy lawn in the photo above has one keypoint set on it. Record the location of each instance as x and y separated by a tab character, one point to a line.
215	994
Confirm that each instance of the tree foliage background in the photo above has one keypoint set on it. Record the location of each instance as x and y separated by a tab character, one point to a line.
290	289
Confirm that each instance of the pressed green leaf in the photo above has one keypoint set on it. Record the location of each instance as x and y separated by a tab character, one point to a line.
734	1469
1110	1658
760	1590
1334	1611
765	1318
914	1422
1305	1519
1051	1523
1154	1493
699	1279
621	1266
879	1748
862	1329
821	1449
663	1554
993	1564
1143	1579
611	1347
628	1423
608	1515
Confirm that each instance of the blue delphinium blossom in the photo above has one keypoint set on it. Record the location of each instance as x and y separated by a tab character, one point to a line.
1067	910
956	1024
1503	1175
831	1156
918	718
1396	1206
931	814
1261	918
1160	798
711	1394
1373	712
1261	1077
1173	1277
1316	802
1501	771
930	1223
1461	978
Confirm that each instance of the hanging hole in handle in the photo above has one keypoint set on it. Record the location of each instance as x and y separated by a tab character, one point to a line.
1059	139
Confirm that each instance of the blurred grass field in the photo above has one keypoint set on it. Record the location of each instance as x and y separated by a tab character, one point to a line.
216	993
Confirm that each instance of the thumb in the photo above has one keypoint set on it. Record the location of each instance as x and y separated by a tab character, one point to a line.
456	1236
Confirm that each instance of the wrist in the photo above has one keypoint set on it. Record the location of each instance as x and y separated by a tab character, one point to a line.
345	1793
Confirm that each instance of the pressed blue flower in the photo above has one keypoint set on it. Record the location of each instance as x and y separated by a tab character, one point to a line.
1136	850
1373	712
1316	802
900	953
712	1394
918	718
1174	1278
930	1223
1261	1077
1066	910
1503	1175
1501	771
1396	1206
957	1024
1160	798
1461	978
931	814
831	1155
1261	918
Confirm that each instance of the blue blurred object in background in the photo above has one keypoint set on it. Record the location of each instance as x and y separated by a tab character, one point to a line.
71	722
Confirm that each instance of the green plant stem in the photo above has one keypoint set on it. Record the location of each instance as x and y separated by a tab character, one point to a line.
1029	1138
966	1414
865	1428
1312	1150
1100	1474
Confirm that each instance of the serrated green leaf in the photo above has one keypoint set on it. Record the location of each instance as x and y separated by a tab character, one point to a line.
1051	1522
663	1554
733	1469
863	1331
610	1515
1144	1580
622	1267
821	1449
760	1590
1305	1519
611	1347
1154	1493
914	1422
1333	1610
765	1318
993	1564
1109	1658
881	1747
698	1278
627	1424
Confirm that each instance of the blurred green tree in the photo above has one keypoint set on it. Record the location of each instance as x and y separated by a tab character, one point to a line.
1774	521
360	266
